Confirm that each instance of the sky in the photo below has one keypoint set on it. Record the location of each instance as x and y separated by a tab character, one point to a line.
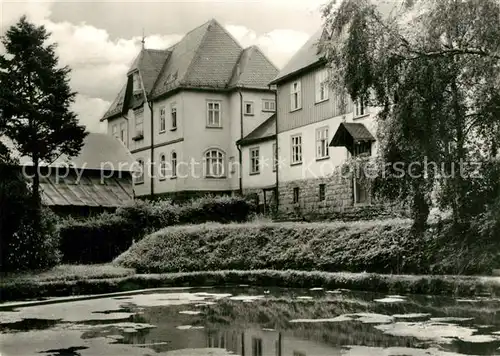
99	40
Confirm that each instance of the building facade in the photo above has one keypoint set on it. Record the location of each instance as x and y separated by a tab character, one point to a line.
260	164
316	135
183	109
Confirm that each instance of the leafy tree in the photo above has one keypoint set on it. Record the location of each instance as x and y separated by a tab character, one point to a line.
35	99
433	69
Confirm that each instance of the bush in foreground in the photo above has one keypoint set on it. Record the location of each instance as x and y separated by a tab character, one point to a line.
21	246
32	249
102	238
375	247
96	239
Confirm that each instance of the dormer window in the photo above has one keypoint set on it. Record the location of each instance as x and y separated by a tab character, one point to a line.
136	81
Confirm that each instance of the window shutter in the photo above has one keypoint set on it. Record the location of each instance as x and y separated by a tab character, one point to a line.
292	106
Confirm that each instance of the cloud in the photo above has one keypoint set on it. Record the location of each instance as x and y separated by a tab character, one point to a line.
99	63
92	108
279	45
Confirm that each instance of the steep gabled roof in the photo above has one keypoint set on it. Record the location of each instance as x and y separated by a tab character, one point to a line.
149	63
253	69
181	57
206	57
263	132
305	57
116	106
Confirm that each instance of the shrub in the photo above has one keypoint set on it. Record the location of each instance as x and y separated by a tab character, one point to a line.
102	238
30	249
216	209
21	246
149	216
97	239
375	246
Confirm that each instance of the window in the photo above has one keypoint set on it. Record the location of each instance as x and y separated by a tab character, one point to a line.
322	143
296	195
248	108
173	110
322	192
362	148
136	81
296	149
139	174
213	114
214	160
254	161
359	108
322	86
115	131
139	123
163	167
162	120
268	105
256	347
173	161
295	96
275	158
123	135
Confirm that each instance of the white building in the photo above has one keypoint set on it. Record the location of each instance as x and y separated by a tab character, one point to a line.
182	110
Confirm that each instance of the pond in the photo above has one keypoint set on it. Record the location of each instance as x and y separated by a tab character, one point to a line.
250	321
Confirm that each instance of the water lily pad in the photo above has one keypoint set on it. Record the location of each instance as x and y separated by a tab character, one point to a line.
337	319
189	312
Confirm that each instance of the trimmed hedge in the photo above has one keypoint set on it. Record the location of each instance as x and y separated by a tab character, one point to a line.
375	247
102	238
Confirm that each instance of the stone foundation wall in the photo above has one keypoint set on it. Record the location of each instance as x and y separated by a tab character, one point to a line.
338	195
337	205
271	201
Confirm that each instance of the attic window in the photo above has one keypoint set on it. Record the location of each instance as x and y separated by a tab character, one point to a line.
136	82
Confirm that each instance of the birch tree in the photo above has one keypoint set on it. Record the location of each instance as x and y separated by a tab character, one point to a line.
432	67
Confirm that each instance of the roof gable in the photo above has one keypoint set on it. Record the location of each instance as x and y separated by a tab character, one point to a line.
253	69
306	56
266	130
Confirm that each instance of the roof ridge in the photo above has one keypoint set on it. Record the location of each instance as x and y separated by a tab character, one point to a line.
196	28
237	69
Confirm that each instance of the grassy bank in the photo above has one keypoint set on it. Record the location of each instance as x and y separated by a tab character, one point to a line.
386	246
87	283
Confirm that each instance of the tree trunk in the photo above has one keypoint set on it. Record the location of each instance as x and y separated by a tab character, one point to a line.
420	211
459	200
37	205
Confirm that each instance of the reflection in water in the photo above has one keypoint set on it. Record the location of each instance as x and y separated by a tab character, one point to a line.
283	323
